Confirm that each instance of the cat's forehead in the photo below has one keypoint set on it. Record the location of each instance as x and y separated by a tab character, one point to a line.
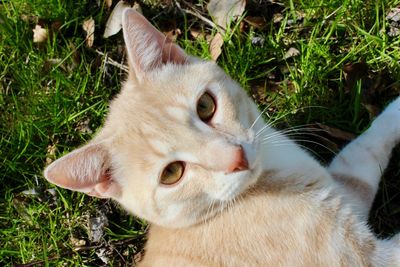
167	95
173	81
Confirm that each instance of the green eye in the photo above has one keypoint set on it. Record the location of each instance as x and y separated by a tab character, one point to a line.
172	173
206	107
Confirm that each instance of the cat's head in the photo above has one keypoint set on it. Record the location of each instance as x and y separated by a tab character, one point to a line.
176	146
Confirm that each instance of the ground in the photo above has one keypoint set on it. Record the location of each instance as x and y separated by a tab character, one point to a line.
325	67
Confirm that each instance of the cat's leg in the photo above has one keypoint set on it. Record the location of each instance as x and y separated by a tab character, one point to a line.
358	167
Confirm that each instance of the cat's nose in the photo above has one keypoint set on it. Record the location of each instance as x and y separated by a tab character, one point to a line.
240	162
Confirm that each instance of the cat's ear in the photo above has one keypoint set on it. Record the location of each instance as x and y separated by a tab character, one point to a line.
147	47
87	170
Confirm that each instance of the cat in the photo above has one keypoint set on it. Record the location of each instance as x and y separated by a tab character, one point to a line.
185	148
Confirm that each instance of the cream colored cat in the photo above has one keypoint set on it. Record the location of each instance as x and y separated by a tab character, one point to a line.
183	147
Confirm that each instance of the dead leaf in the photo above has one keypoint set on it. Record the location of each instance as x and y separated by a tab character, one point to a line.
138	257
277	17
108	3
196	34
257	40
200	34
40	34
373	110
114	22
393	18
96	226
394	14
56	25
223	12
88	27
256	22
337	133
257	89
216	46
102	254
29	18
84	127
354	72
168	28
76	242
51	153
292	52
173	34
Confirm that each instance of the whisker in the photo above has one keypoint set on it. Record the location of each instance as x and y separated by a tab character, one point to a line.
271	122
294	134
295	131
300	145
259	116
289	141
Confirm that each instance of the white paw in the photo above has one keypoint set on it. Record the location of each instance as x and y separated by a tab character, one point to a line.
387	124
393	107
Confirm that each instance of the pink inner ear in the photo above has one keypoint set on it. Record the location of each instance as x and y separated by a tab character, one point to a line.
173	53
147	47
86	170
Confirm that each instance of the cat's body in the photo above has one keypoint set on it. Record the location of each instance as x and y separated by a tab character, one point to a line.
221	187
268	229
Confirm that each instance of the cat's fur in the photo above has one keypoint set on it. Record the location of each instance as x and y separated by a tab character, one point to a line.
284	210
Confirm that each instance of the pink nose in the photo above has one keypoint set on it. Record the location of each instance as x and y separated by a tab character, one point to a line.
239	162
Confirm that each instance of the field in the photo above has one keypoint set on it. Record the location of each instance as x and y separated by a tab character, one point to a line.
324	69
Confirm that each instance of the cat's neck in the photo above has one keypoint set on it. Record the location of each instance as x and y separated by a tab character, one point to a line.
259	219
281	155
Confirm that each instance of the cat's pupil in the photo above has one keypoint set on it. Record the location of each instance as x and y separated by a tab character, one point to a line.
172	173
206	107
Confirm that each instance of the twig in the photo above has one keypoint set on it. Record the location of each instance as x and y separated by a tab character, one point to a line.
199	16
112	62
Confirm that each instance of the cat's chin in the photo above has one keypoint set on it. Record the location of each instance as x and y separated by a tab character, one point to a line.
240	182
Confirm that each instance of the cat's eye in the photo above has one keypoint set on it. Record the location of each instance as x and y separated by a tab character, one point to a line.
172	173
206	107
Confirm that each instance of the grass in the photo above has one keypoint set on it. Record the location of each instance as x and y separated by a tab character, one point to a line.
54	96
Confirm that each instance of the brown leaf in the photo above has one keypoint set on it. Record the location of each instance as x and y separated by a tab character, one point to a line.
337	133
169	29
108	3
173	34
40	34
223	12
88	27
256	22
138	257
373	110
257	89
354	72
196	33
114	22
200	34
56	25
216	46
